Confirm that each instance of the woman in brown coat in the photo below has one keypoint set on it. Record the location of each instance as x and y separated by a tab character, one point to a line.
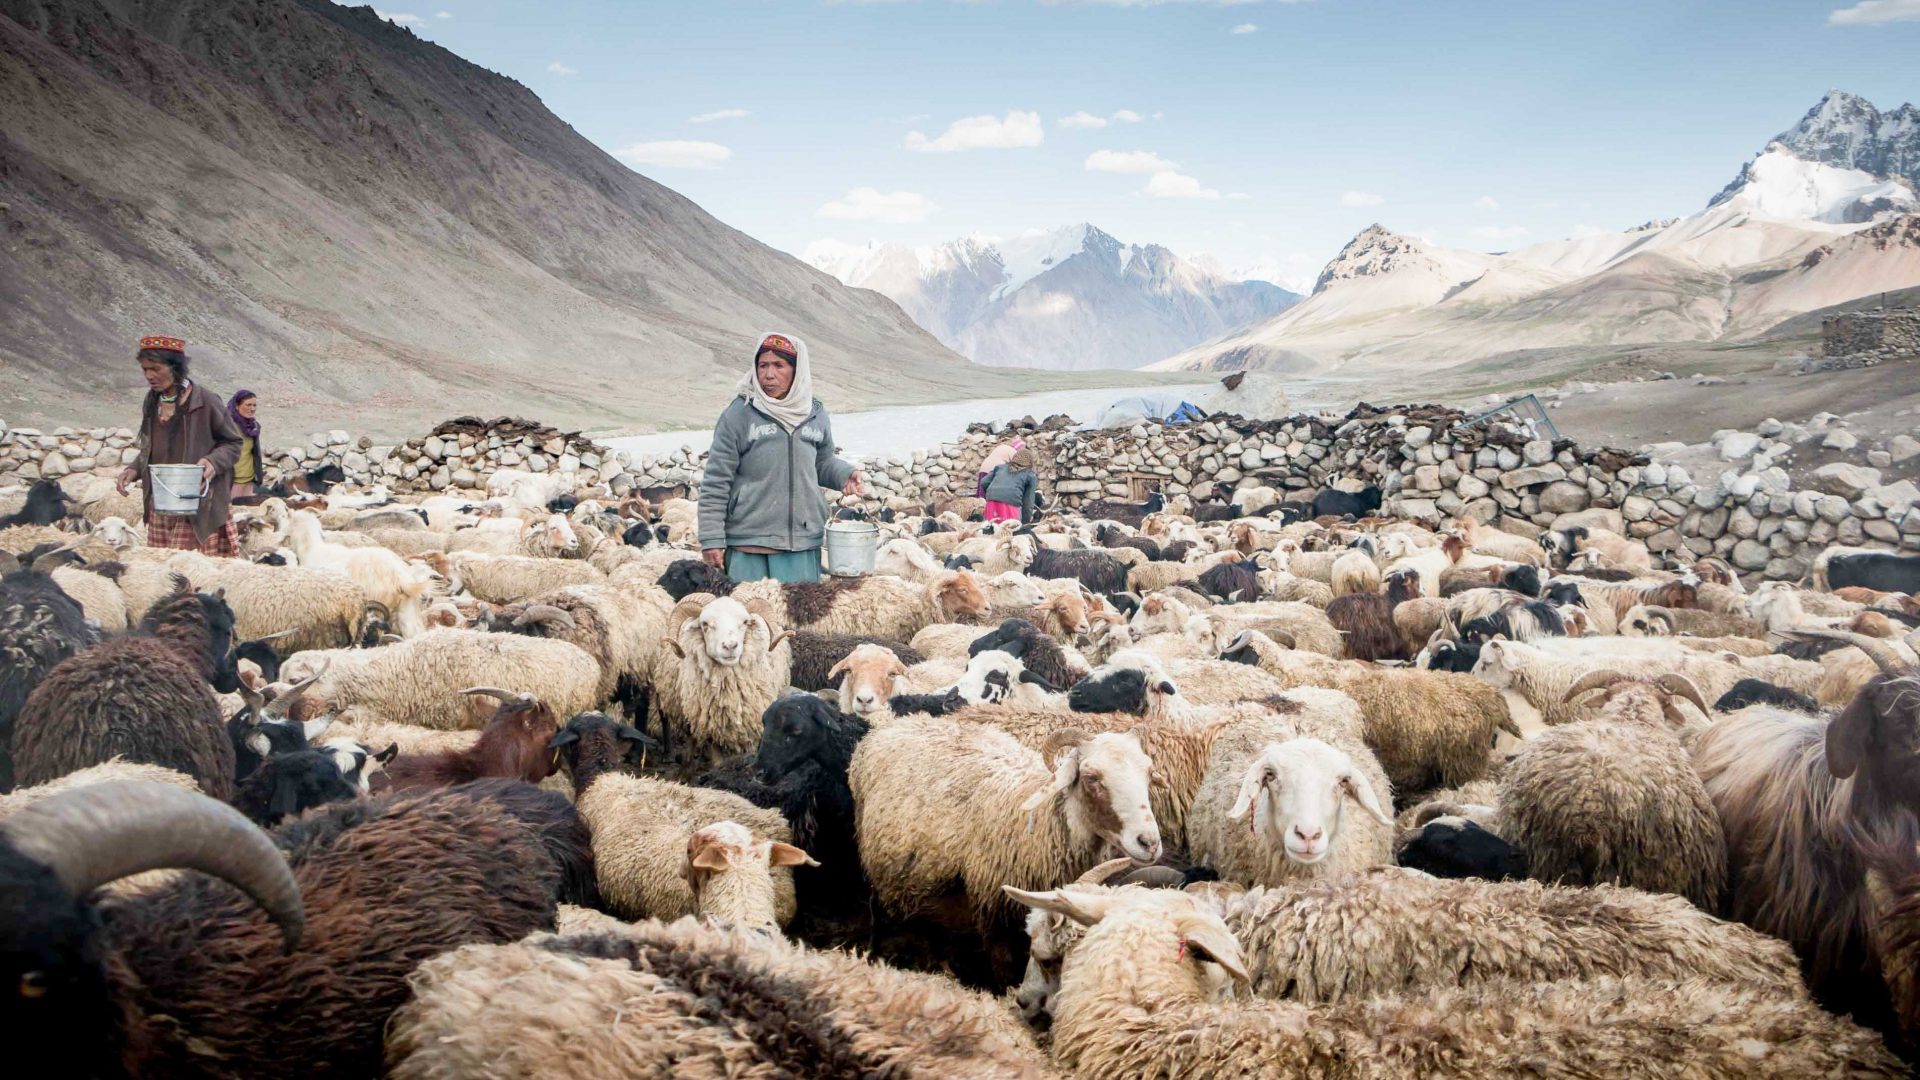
182	423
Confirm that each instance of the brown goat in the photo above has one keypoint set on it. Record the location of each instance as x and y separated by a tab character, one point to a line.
513	744
1365	622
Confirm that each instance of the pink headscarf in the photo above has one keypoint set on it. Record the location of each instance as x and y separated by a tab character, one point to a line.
1002	454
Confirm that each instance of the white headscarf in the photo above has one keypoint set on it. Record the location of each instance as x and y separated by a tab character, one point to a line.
790	411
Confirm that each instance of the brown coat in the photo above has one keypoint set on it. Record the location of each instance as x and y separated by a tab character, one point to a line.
201	430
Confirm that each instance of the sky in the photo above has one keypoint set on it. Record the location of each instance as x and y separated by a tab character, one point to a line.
1263	133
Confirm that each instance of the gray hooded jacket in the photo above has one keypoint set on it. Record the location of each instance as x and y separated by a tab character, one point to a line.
762	485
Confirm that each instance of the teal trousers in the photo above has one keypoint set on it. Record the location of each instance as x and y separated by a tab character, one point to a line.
780	566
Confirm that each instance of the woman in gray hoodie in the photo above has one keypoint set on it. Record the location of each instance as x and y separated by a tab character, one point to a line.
761	511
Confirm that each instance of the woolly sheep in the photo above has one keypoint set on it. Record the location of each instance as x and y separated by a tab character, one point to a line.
383	576
881	607
940	801
1354	572
1615	799
503	579
723	662
678	999
99	597
418	681
642	828
1294	796
324	608
1140	996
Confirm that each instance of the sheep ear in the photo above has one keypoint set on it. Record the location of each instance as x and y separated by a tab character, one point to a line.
1851	735
564	737
838	669
1085	908
1066	770
1213	943
1259	776
788	855
710	857
1362	793
385	756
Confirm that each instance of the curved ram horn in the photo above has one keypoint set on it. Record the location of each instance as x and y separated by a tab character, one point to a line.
1595	680
379	609
283	703
1679	685
507	697
276	637
689	606
1154	877
103	832
1100	875
1876	649
544	614
1282	637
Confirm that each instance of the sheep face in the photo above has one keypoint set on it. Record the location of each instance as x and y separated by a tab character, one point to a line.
957	596
791	729
1067	615
1643	621
1171	938
729	848
1014	589
558	532
726	628
1102	781
116	533
1295	794
867	679
1878	736
1498	663
993	677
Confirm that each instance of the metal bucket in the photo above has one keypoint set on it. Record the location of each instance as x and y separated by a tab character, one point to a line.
851	546
177	489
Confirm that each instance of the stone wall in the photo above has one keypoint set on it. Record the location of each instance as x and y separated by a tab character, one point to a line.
1864	338
1429	466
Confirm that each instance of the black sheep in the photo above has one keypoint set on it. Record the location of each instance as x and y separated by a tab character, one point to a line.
46	505
1129	514
40	626
1523	579
640	534
1761	692
931	704
957	561
143	697
1458	848
1332	503
689	576
1113	690
1562	593
562	504
1098	571
290	783
934	525
189	979
1230	583
1517	622
1205	512
1041	655
814	655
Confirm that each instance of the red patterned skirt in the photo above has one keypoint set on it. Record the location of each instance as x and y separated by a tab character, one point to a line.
174	531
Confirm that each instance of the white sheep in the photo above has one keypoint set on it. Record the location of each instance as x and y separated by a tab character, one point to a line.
723	663
384	577
418	681
1293	798
325	609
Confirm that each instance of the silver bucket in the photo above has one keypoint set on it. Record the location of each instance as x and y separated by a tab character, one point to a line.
851	547
177	489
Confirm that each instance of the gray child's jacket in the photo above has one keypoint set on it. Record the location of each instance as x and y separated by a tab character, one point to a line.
762	485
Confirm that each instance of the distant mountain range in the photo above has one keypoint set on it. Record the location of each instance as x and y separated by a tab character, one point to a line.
341	215
1069	299
1825	213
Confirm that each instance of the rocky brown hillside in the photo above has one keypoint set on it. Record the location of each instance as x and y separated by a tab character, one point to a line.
361	225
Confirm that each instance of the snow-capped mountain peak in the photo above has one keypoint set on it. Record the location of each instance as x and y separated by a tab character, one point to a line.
1072	297
1844	162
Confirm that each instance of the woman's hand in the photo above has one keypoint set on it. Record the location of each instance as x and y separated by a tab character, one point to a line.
856	484
715	557
207	471
127	476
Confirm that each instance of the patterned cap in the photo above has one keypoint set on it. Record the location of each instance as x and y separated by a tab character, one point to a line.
157	342
780	345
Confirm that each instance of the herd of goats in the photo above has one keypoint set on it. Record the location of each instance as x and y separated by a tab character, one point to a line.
514	785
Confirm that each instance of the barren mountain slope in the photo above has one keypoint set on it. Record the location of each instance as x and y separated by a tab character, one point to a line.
337	213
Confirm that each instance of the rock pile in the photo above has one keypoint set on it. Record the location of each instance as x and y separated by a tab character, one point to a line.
1856	339
27	454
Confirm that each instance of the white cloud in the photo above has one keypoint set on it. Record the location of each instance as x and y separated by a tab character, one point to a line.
1868	12
1238	195
1244	28
675	154
719	114
1173	185
983	133
1127	116
1129	161
1083	119
559	68
1486	202
887	208
1500	232
1361	198
443	14
401	18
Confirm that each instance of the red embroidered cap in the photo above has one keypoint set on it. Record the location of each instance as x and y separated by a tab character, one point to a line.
158	342
780	345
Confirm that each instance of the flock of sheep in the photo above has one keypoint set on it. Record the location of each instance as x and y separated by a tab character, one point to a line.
514	785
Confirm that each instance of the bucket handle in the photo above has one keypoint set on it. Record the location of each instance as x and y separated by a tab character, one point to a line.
206	484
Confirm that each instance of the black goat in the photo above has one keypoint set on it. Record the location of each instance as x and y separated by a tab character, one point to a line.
166	982
1761	692
1125	603
1458	848
640	534
46	505
1332	503
291	783
1562	593
561	504
1098	571
689	576
1041	655
931	704
1130	514
1122	690
313	482
1456	656
1875	570
1517	622
1230	583
934	525
957	561
1110	536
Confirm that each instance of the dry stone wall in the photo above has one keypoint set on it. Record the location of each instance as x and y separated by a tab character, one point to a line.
1864	338
1427	462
